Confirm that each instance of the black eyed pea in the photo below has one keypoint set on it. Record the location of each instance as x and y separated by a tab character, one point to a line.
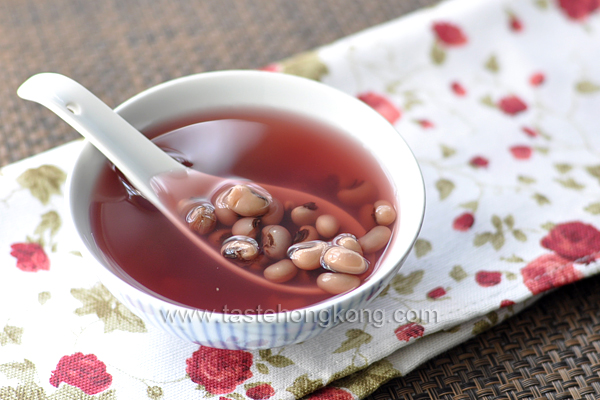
224	214
275	240
376	239
281	271
327	226
247	200
305	233
366	217
240	248
306	214
341	259
219	236
348	241
247	226
202	218
336	283
362	192
384	213
274	215
307	255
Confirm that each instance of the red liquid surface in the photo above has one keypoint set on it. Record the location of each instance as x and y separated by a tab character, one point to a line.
286	151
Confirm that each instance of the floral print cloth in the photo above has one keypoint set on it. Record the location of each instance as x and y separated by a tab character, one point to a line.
498	99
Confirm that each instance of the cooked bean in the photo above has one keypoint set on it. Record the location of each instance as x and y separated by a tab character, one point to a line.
240	248
341	259
219	236
327	225
376	239
275	240
281	271
305	214
348	241
366	217
225	215
307	255
384	212
305	233
202	218
336	283
361	193
274	215
247	201
247	226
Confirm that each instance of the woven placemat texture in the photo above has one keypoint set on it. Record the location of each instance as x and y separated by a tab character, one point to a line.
118	48
550	351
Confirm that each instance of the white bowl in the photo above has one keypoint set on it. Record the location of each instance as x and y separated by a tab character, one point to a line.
219	90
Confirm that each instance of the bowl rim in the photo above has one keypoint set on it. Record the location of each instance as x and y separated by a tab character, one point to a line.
417	191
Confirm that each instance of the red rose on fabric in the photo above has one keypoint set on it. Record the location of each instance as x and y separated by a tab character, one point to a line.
260	392
537	79
408	331
549	271
425	123
529	132
479	162
512	105
506	303
458	89
488	278
31	257
330	393
382	105
463	222
218	370
573	240
83	371
272	68
449	34
521	152
578	9
437	293
515	23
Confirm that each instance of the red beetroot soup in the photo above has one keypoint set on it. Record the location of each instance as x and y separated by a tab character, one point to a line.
287	150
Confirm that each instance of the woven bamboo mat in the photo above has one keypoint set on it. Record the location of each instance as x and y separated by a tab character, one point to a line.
118	48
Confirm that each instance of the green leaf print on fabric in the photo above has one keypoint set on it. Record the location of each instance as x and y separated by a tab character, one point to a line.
43	181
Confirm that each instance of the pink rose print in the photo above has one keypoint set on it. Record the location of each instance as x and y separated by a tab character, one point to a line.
578	10
408	331
330	393
437	293
549	271
479	162
515	23
274	67
529	132
425	124
506	303
31	257
260	392
449	34
458	89
521	152
512	105
573	241
83	371
382	105
488	278
537	79
218	370
463	222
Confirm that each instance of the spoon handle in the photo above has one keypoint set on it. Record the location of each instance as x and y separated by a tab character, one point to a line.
134	154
